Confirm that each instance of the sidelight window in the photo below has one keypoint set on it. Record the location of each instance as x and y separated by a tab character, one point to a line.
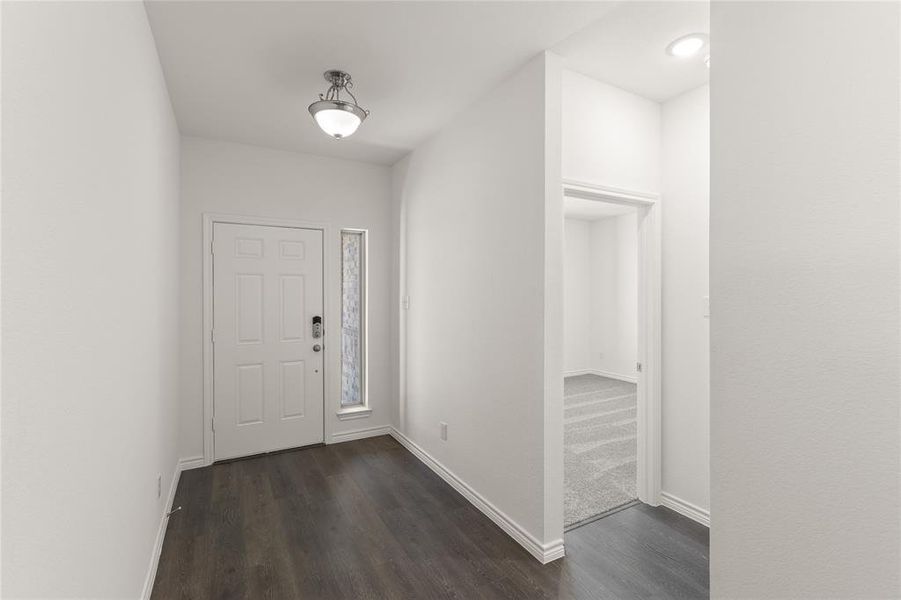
353	318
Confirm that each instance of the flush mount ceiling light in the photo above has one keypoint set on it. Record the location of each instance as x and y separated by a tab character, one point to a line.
687	45
338	118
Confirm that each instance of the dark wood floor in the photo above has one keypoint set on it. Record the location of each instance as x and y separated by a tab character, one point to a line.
366	519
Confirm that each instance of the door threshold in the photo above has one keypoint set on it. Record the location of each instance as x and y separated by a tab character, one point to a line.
225	461
597	517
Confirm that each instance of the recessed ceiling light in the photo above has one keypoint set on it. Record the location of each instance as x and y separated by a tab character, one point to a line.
687	45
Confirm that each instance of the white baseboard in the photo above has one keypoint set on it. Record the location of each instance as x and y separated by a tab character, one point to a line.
161	531
609	374
612	375
687	509
578	372
359	434
545	553
194	462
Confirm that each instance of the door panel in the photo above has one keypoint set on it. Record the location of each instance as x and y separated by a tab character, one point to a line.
268	379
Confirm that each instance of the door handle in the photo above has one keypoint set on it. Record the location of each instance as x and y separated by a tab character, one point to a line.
317	348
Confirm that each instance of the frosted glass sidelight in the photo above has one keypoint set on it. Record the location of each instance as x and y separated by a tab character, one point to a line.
352	318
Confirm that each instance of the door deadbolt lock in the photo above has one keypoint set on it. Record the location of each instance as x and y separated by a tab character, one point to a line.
317	327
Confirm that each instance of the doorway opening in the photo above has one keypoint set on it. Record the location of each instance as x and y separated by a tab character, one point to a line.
610	420
600	395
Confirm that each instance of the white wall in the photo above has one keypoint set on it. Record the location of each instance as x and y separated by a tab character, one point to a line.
804	282
237	179
601	295
90	299
472	205
577	295
610	136
614	293
686	330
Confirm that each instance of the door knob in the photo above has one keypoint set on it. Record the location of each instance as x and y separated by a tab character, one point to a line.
317	348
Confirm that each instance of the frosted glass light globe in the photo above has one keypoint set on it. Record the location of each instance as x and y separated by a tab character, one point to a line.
337	118
337	123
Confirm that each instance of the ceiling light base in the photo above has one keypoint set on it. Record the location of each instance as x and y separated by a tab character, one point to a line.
338	78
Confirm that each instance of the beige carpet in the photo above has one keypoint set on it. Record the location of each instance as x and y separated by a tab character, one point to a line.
600	447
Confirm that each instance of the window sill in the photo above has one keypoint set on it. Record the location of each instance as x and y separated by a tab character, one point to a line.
354	412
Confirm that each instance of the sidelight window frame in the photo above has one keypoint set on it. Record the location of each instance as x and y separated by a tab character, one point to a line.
361	408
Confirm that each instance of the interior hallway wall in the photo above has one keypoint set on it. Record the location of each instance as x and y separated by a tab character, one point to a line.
611	137
90	299
238	179
472	202
686	328
804	282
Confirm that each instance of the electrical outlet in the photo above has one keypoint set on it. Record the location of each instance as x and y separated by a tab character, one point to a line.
159	486
443	431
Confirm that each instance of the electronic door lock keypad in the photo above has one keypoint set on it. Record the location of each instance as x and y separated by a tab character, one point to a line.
317	327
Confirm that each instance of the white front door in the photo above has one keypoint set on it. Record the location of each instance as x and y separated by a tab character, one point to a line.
268	383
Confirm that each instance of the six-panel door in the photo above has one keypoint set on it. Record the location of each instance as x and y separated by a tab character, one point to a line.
268	374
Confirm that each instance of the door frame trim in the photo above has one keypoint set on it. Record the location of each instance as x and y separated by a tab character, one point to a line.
209	221
649	325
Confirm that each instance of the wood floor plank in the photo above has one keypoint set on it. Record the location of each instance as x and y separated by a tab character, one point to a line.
366	519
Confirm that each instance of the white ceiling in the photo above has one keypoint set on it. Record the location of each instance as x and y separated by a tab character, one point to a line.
592	210
627	48
246	71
